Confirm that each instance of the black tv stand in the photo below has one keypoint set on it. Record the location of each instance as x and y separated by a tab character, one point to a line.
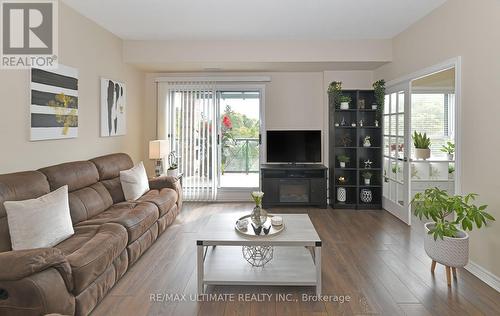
294	184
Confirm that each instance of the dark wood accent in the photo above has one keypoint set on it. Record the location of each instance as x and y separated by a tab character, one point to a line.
358	154
370	255
311	176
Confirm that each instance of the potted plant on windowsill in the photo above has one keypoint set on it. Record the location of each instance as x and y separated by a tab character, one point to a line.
172	170
422	145
344	102
367	176
343	160
449	149
445	242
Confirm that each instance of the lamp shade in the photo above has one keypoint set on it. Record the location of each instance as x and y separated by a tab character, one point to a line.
158	149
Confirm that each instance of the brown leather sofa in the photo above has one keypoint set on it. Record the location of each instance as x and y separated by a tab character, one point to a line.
110	236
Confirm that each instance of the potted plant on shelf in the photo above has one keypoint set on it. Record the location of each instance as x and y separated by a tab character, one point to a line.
445	242
172	170
449	149
343	160
379	91
422	145
344	102
367	176
335	92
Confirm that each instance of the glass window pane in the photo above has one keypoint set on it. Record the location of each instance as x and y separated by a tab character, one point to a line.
386	104
401	147
393	125
393	103
401	124
386	146
386	124
401	102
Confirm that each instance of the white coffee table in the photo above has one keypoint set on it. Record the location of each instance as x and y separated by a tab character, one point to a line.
220	260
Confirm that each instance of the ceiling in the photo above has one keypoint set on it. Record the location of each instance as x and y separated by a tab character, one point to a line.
255	19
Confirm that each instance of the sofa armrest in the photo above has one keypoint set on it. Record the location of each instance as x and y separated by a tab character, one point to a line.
24	263
173	183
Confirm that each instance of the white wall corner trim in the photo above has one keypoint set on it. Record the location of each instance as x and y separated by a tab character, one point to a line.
215	78
484	275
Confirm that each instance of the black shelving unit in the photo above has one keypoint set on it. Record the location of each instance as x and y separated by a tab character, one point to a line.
353	171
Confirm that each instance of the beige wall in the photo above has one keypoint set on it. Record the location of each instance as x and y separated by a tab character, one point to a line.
95	53
469	29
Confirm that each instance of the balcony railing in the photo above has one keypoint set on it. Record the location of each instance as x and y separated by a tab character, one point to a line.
241	155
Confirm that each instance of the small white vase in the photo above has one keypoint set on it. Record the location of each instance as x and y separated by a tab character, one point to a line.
367	143
342	164
344	105
451	252
367	181
450	156
341	194
422	153
172	172
374	106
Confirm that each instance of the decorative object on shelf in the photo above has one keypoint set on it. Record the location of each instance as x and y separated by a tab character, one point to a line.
422	145
343	122
343	160
353	124
376	123
361	123
344	102
157	151
444	242
379	93
345	140
242	224
54	103
113	108
277	221
259	215
173	169
366	141
361	104
341	194
335	92
368	163
253	230
337	124
367	176
449	149
342	180
366	195
257	256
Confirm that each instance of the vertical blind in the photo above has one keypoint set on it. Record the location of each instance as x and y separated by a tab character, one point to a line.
187	115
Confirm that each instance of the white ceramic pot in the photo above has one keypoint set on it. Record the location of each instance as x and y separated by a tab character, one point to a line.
451	252
367	181
172	172
450	156
344	105
422	153
341	194
342	164
374	106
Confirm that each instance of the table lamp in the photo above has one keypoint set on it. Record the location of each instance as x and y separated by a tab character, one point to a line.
157	150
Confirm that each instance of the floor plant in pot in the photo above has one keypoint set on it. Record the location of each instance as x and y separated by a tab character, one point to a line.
422	145
343	160
445	242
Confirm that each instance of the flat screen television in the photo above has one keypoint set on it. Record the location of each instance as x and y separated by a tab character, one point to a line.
294	146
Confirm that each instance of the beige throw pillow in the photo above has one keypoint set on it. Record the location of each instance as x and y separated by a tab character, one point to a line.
134	182
41	222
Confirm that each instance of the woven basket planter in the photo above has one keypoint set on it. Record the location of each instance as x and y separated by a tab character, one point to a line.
451	252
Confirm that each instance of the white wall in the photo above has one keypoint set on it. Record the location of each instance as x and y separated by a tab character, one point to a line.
95	52
469	29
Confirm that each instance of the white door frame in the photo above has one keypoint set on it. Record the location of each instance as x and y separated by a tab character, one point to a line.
455	62
242	194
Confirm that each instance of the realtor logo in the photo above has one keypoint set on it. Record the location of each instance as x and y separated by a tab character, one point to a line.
29	34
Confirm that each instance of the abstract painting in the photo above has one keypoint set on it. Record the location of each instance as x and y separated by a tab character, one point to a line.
113	108
54	103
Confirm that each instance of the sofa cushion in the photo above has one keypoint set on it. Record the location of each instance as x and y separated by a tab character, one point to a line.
136	217
76	175
134	182
91	250
15	187
88	202
114	187
164	199
109	166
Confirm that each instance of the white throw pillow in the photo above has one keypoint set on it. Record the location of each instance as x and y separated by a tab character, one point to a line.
41	222
134	182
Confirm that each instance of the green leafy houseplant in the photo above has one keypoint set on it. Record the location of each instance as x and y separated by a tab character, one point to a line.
335	91
379	91
343	158
437	205
367	175
449	148
345	98
421	141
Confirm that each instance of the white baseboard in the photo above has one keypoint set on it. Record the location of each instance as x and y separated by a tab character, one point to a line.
484	275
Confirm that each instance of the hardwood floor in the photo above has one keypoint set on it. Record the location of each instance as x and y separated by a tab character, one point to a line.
368	255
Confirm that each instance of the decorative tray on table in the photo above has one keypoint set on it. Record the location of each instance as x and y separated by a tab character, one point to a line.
251	232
